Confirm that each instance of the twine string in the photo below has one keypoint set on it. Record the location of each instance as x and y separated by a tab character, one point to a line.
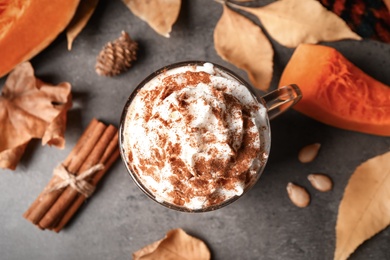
78	182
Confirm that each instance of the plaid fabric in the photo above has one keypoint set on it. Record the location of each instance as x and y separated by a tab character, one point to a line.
369	19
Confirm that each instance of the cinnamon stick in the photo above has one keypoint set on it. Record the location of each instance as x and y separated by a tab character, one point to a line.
81	198
73	162
84	137
68	195
109	157
82	140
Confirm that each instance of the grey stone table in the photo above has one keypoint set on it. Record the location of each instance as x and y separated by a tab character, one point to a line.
119	218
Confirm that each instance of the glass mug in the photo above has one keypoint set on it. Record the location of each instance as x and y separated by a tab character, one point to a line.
275	103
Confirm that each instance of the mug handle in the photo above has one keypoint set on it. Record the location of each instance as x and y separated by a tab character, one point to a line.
281	99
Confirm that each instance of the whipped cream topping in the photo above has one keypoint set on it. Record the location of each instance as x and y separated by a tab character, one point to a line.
192	135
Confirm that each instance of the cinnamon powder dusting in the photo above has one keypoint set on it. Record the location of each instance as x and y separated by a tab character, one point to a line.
203	174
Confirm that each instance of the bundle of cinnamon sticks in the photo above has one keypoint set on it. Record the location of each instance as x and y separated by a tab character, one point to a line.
55	206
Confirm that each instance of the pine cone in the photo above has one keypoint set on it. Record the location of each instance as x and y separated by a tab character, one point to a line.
117	56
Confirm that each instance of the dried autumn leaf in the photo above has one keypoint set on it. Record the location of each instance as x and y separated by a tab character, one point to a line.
159	14
176	245
30	108
291	22
241	42
54	134
365	207
146	250
10	158
80	19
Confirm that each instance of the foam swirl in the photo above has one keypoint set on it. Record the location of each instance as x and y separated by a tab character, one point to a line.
192	136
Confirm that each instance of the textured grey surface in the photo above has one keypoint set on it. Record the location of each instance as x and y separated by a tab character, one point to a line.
119	219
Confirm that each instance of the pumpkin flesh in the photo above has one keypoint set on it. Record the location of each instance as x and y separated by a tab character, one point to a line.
29	26
336	92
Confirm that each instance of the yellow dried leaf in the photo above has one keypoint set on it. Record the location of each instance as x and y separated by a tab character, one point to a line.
242	43
80	19
30	108
159	14
291	22
146	250
365	207
176	245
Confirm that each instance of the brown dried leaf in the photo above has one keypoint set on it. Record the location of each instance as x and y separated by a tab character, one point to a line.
176	245
159	14
10	158
241	42
30	109
291	22
80	19
54	134
365	207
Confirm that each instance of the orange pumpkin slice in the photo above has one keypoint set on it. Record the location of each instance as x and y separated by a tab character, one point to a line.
336	92
29	26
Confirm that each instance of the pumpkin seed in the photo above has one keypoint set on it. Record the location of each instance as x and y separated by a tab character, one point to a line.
309	153
320	181
298	195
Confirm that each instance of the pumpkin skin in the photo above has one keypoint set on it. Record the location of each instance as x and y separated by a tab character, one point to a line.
336	92
29	26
